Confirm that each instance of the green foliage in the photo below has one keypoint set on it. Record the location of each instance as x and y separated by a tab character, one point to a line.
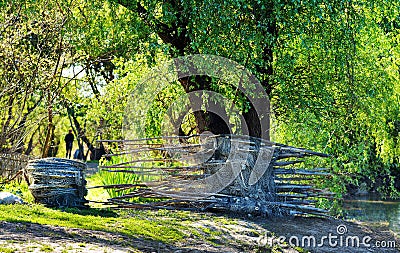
33	54
46	248
337	91
108	177
330	68
105	30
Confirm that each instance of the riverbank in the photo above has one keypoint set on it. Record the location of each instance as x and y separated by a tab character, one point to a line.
34	228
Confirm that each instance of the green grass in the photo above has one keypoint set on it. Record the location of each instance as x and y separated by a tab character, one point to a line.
113	178
166	231
167	226
162	225
46	248
96	194
119	176
19	189
6	250
92	161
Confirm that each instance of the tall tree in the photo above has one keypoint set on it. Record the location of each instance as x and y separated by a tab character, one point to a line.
225	28
102	33
33	55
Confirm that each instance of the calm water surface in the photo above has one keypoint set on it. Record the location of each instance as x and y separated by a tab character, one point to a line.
373	209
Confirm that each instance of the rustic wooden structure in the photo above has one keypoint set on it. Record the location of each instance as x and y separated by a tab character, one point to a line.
58	182
12	165
223	172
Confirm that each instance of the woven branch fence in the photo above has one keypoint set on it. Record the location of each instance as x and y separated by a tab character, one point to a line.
12	165
219	173
58	182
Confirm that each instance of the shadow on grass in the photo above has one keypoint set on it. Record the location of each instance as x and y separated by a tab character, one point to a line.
21	232
99	212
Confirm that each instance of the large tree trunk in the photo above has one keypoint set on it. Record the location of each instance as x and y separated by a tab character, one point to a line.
256	117
214	119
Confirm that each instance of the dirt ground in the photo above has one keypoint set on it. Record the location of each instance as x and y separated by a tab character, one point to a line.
345	236
242	236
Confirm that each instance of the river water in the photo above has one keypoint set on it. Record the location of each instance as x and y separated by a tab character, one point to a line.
371	208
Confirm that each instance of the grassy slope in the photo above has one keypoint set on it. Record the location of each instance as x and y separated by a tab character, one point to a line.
162	225
170	227
167	231
136	224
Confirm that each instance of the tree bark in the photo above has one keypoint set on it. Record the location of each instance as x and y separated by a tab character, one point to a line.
215	122
80	133
50	126
30	147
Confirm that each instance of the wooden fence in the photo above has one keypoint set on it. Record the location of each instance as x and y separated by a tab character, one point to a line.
12	164
233	173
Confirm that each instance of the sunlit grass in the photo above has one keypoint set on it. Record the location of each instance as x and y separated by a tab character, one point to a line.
106	177
136	226
7	250
19	189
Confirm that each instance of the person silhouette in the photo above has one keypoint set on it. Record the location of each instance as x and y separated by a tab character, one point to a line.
69	141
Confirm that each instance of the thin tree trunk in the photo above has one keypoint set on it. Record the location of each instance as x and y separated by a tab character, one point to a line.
80	132
50	126
30	143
